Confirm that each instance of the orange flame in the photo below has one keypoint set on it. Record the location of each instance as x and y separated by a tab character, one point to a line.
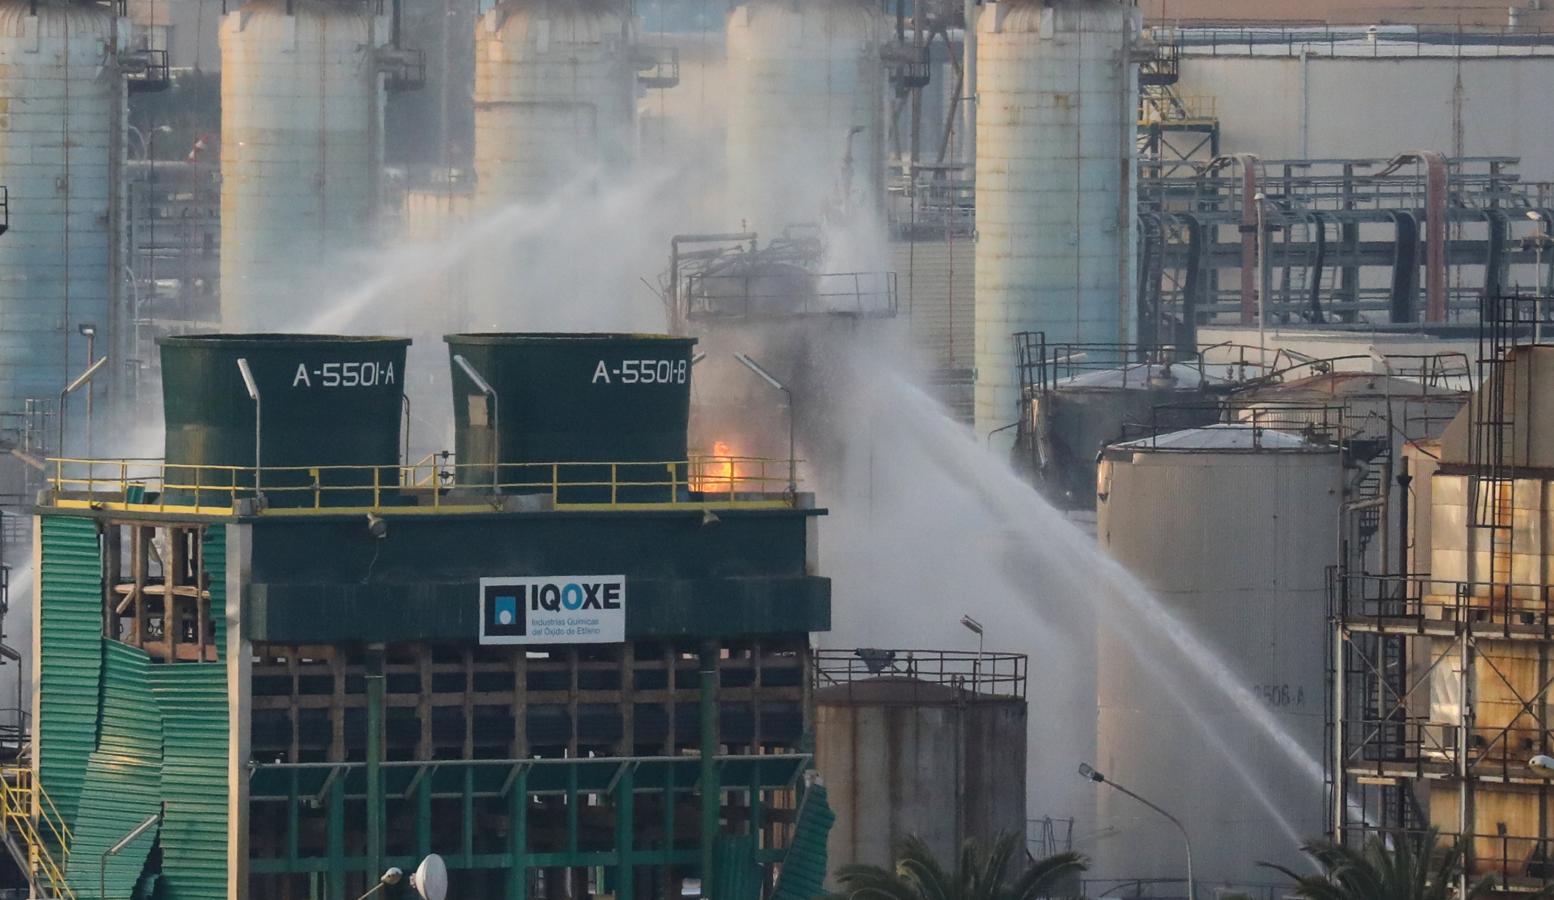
716	473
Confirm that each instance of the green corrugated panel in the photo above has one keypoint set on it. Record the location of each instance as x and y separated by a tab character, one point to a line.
804	867
737	877
214	548
71	660
123	783
193	700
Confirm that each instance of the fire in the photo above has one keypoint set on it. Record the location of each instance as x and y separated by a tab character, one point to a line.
717	472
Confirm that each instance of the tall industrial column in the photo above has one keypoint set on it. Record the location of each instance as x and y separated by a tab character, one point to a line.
301	146
63	96
1056	103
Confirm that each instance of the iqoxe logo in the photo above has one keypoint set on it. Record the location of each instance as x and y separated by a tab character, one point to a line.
554	609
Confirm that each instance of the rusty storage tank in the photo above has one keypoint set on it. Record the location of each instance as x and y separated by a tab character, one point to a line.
328	402
925	743
590	411
1080	414
1232	528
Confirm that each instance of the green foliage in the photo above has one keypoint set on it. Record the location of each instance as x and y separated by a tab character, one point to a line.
977	875
1392	867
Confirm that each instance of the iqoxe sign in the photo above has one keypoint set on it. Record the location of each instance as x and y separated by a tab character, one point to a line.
553	609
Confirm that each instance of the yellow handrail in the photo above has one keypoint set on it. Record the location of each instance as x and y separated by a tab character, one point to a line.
27	811
213	489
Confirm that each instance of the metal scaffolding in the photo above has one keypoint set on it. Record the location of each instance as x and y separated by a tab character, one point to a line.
1441	680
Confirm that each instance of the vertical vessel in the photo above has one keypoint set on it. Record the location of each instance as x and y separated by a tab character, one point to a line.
61	105
1056	102
805	110
554	96
300	148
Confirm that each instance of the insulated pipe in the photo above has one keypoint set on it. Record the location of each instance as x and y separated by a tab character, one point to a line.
1436	188
1250	214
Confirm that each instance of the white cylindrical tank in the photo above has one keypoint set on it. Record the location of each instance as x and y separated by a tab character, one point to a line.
1232	529
300	150
555	96
806	110
60	101
1057	99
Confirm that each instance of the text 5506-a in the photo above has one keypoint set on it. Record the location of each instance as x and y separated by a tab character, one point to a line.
344	374
642	371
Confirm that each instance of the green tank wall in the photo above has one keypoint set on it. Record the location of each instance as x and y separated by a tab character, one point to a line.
326	401
606	398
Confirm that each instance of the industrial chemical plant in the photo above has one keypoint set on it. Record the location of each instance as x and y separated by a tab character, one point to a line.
775	449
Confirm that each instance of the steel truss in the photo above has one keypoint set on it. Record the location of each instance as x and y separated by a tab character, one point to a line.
1417	238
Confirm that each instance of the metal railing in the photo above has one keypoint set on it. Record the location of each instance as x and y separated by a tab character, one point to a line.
1321	426
1516	862
997	674
435	482
1176	889
784	294
28	813
1421	604
1362	41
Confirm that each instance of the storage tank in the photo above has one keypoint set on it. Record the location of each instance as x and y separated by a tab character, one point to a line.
60	105
1232	529
1080	415
806	110
926	743
1055	192
300	148
329	402
555	95
620	402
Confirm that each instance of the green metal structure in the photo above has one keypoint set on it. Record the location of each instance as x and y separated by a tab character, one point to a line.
309	692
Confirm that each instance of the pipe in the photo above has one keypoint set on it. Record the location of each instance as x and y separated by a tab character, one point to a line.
709	746
1249	216
1436	190
1404	480
374	758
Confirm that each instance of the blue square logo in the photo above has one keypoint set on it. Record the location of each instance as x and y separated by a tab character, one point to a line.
502	611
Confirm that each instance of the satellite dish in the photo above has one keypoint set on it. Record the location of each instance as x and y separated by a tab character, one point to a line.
430	879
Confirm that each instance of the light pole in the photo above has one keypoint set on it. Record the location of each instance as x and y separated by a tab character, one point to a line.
752	365
391	875
71	388
118	847
1089	773
1538	240
975	627
253	394
496	434
89	331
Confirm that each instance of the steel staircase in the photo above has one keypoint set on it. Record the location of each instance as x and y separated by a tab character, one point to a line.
34	833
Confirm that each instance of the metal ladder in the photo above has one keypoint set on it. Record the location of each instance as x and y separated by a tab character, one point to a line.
34	833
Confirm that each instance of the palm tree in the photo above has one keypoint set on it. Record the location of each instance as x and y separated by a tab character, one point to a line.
978	876
1404	867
